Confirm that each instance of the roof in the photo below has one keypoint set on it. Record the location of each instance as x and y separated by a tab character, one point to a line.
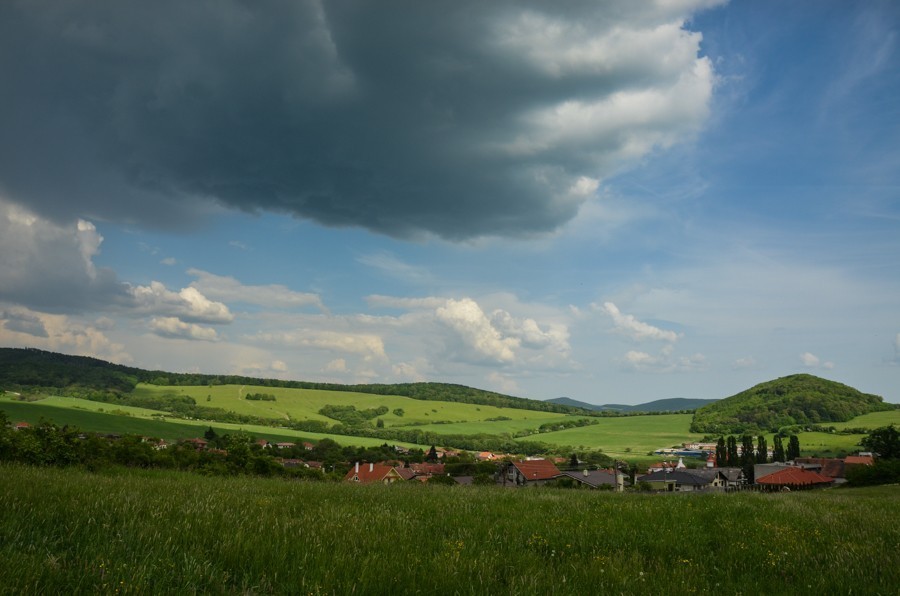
859	460
427	468
794	477
537	469
405	473
594	478
366	473
681	477
828	466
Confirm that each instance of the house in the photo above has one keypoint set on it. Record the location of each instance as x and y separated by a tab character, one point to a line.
308	446
859	460
676	480
263	443
532	472
485	456
598	478
198	444
826	466
426	469
285	445
21	426
791	478
373	473
667	465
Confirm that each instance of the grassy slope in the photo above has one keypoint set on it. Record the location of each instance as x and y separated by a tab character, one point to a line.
160	532
170	429
304	404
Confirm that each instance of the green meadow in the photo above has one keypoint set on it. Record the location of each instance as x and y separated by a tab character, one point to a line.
82	416
139	532
304	404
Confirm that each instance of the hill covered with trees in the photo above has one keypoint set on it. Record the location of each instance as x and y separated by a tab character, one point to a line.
788	401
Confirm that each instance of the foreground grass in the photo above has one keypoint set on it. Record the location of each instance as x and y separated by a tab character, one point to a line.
67	531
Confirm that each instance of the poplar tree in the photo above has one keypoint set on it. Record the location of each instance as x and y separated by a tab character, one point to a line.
778	450
762	450
721	453
793	448
733	460
747	457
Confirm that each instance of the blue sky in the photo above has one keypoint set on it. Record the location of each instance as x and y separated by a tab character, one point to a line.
607	202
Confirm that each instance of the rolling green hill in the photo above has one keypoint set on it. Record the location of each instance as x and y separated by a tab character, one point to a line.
32	368
793	400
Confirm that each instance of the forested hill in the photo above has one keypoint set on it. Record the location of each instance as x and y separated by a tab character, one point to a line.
675	404
792	400
23	369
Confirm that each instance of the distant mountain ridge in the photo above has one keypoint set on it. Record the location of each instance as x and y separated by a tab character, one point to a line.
674	404
793	400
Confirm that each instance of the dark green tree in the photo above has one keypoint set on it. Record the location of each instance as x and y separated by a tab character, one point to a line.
793	448
721	453
733	459
573	461
762	450
884	442
778	450
210	435
432	454
748	457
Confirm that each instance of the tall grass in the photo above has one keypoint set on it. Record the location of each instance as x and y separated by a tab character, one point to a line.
67	531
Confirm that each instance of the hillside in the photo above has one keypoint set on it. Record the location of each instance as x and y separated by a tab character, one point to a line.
675	404
793	400
31	368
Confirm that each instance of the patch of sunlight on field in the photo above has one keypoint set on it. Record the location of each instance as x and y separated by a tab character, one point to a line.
97	406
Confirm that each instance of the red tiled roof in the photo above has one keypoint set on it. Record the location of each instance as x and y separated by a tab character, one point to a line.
427	469
794	477
859	460
537	469
366	473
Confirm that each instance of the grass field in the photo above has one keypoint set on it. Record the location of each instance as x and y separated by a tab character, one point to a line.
128	532
630	438
169	429
304	404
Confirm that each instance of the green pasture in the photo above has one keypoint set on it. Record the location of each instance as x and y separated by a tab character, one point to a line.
170	429
873	420
626	437
154	532
304	404
493	427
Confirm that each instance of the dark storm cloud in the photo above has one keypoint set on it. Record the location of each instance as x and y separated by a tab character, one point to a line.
458	118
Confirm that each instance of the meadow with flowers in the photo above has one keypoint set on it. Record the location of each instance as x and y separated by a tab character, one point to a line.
156	532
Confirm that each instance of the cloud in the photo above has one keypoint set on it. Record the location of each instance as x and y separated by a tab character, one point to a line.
529	334
812	361
188	304
748	362
478	340
367	345
460	120
636	330
665	362
26	328
23	322
394	267
378	301
227	288
174	328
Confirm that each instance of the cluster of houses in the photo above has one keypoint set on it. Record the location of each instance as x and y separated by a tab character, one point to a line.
665	476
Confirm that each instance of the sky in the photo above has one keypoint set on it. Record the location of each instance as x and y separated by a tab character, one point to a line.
610	201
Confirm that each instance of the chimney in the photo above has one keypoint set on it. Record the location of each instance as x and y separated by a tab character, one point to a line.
357	468
371	466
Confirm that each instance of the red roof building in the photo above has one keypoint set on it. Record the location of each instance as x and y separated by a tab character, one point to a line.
372	473
859	460
794	478
532	471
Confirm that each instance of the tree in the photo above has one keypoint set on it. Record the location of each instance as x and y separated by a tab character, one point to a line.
884	442
762	450
721	453
793	448
778	450
210	435
747	457
733	459
573	461
432	454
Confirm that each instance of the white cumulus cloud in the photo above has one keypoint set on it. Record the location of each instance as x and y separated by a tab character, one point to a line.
635	329
173	327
